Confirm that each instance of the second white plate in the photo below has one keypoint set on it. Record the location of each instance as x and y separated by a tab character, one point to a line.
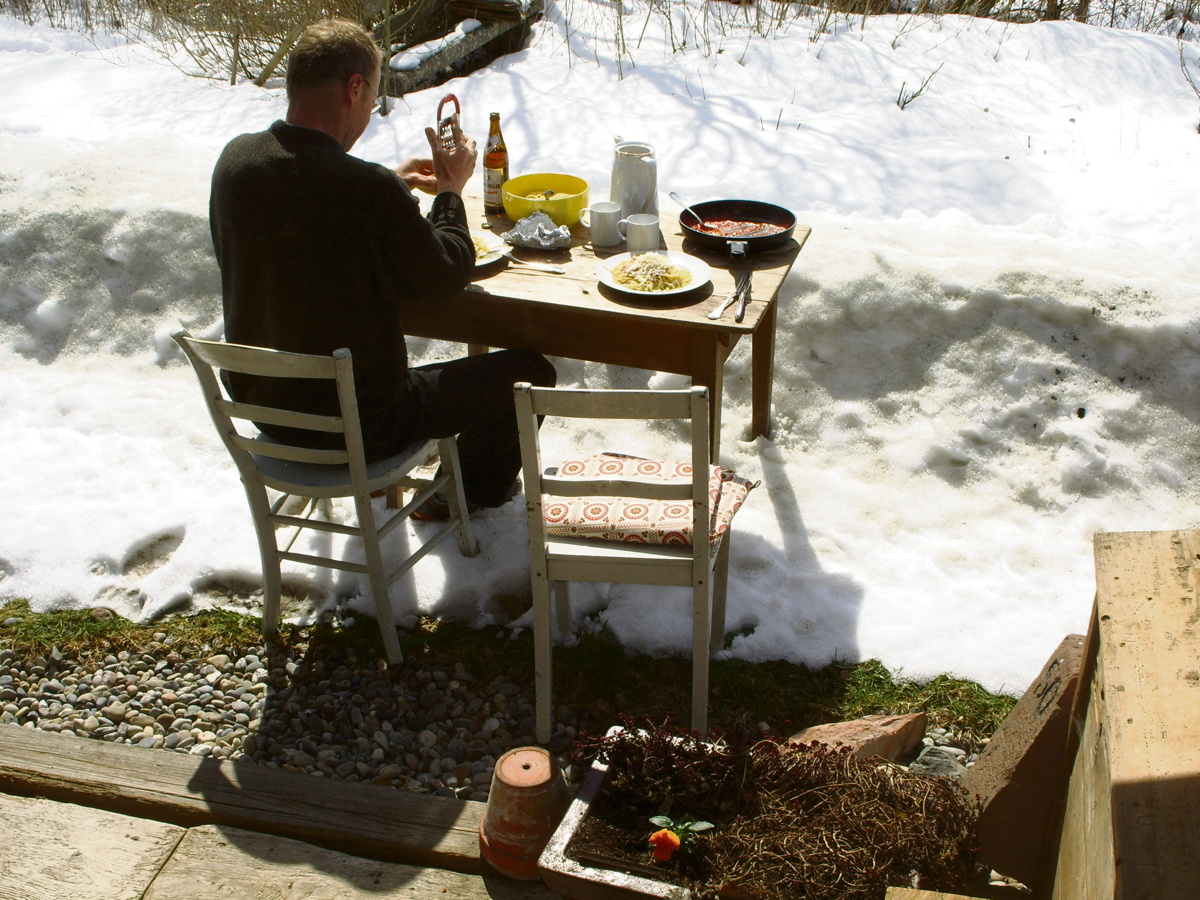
697	268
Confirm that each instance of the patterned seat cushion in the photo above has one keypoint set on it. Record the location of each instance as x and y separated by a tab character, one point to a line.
642	521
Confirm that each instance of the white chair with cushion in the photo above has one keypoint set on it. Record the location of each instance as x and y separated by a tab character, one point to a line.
319	475
613	518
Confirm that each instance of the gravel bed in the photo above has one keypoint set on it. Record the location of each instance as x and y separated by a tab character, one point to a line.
323	710
329	713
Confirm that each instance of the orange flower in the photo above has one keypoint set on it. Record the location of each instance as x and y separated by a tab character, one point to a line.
665	842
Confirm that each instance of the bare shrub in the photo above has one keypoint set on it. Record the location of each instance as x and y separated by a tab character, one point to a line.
233	38
241	37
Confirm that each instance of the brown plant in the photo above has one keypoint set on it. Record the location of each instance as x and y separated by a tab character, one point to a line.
794	821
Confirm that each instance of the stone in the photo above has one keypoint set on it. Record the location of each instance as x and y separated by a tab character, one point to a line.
889	737
114	712
937	762
1021	777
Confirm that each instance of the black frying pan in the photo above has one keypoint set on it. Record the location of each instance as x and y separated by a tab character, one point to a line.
739	211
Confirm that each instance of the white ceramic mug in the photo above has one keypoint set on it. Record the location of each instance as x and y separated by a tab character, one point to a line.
640	232
603	220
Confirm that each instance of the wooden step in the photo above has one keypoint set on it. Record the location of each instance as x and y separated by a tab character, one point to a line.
54	851
60	851
216	863
367	820
1132	823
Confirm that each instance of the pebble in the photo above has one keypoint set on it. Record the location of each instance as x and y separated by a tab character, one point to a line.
323	711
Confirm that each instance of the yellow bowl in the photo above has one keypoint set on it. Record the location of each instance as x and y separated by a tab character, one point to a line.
569	200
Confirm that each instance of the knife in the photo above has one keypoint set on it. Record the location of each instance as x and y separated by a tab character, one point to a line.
740	283
740	312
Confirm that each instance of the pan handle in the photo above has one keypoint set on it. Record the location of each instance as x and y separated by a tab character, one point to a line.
737	249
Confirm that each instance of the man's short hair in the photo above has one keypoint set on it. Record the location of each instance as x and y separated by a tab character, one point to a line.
331	51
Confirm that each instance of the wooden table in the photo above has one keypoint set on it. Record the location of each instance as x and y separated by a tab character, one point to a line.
572	315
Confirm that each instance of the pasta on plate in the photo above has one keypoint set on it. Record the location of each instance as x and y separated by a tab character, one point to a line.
651	273
485	250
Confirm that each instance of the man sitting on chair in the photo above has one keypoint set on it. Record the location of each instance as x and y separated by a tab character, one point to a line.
320	250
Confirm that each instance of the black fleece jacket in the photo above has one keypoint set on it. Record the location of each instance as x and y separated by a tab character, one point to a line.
320	250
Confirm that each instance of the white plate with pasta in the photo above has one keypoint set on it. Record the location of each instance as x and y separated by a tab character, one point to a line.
488	248
654	273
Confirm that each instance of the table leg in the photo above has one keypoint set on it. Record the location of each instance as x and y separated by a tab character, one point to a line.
708	371
762	373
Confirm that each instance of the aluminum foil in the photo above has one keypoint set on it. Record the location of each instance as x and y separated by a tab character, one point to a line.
540	232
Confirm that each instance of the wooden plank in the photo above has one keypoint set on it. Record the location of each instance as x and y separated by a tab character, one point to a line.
53	851
1132	826
368	820
216	863
901	893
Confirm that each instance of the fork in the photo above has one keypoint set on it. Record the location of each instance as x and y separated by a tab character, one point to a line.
740	285
541	267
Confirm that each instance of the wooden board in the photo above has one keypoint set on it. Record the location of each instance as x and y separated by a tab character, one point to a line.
366	819
458	44
55	851
1132	824
216	863
899	893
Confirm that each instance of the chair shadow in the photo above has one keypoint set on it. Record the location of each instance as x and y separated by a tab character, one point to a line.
309	721
824	610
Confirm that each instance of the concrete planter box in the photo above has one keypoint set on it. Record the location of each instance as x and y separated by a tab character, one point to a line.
576	881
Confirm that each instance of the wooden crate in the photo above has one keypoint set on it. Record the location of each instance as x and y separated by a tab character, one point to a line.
1132	823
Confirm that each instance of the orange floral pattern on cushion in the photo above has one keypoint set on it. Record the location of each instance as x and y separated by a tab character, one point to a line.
635	520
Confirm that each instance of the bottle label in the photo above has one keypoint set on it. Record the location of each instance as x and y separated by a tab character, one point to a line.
493	179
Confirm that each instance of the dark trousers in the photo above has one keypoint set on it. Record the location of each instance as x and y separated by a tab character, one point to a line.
473	398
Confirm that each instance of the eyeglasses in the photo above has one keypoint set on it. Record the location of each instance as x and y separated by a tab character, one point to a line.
380	105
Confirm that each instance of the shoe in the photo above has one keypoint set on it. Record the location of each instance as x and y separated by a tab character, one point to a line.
437	507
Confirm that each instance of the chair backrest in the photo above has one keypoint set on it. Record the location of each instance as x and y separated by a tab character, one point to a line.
689	404
235	420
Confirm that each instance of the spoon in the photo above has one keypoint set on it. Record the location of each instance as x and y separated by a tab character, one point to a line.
674	196
557	270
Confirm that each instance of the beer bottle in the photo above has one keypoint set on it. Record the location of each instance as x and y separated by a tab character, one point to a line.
495	168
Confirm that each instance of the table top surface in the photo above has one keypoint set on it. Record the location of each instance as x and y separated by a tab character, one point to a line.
579	287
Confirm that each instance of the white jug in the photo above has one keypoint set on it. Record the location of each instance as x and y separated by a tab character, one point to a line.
634	179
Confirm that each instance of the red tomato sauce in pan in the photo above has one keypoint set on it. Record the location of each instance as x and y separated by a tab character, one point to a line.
735	228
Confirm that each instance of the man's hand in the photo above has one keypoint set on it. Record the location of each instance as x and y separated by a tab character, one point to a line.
452	168
418	175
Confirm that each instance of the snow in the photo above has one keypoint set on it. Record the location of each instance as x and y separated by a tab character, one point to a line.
987	351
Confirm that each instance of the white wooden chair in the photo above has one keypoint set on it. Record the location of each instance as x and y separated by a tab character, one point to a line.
319	475
556	559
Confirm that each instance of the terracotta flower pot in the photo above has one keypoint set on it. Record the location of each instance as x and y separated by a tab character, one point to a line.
525	805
